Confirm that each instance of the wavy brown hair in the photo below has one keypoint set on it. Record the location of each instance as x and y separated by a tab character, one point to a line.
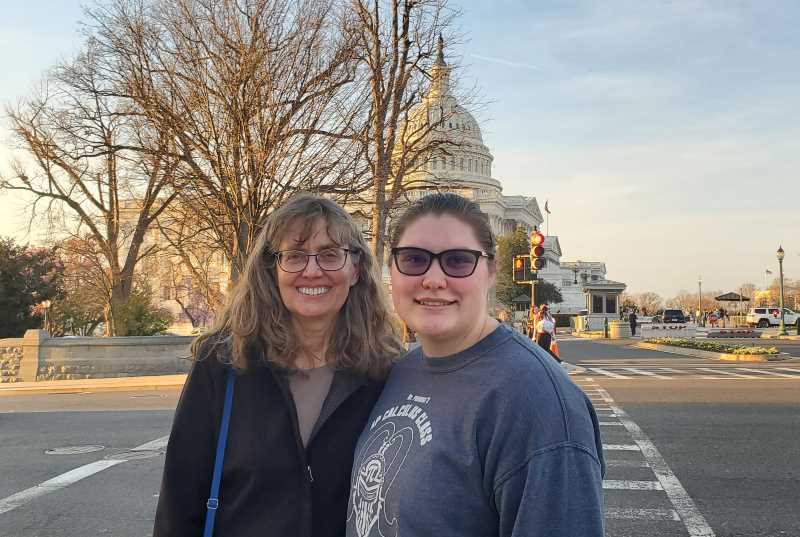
255	327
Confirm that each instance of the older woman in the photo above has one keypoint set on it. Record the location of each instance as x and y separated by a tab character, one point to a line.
478	432
309	336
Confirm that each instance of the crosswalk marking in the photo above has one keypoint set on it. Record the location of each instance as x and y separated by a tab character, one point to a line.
721	372
608	373
624	463
687	511
647	373
763	372
641	514
617	484
710	372
672	370
621	447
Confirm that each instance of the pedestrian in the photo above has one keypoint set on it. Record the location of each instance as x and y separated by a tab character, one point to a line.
545	331
307	338
632	321
478	431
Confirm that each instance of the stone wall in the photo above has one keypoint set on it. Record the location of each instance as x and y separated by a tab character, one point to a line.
40	357
10	359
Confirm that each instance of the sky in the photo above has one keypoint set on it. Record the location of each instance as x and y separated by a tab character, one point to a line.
664	135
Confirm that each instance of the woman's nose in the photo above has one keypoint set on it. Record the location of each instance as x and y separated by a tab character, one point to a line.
435	278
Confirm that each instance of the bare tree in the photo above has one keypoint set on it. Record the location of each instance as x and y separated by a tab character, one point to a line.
649	303
254	96
77	139
401	61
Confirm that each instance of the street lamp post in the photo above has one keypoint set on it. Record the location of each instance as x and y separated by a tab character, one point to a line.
782	329
46	305
699	299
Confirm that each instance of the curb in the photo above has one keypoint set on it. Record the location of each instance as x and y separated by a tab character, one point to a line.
148	383
783	338
714	355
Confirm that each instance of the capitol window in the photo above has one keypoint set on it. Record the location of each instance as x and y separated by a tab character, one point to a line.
461	164
469	165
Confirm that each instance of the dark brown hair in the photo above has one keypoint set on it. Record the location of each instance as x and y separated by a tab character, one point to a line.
365	336
451	204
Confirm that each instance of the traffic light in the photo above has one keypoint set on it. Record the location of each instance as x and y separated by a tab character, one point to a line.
521	269
537	251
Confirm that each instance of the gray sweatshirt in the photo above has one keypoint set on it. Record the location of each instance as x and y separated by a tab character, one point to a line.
493	441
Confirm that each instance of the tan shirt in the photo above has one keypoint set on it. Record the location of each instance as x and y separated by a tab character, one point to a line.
309	389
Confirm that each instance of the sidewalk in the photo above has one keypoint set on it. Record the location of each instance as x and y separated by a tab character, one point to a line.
149	383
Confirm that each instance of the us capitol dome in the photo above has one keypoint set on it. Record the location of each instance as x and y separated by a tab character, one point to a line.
460	162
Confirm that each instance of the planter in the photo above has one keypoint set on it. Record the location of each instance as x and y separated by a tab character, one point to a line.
714	355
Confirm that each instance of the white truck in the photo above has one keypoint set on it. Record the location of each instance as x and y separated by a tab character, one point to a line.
766	317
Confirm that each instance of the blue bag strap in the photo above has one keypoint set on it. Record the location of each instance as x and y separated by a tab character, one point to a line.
213	498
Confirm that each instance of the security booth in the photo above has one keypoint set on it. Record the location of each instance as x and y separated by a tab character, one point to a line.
602	303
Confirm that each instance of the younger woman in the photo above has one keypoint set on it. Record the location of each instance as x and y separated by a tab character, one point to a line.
478	432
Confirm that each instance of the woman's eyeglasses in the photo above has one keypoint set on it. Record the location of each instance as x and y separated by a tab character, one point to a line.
330	259
458	263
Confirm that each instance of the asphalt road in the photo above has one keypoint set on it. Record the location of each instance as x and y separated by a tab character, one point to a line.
685	453
732	442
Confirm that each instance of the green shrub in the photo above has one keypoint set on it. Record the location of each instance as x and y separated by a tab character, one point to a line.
711	346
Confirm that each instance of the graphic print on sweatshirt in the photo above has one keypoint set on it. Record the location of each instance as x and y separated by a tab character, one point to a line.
391	437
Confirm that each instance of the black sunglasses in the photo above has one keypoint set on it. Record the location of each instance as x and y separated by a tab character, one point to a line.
456	263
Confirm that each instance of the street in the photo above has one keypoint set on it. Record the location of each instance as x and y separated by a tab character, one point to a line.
693	447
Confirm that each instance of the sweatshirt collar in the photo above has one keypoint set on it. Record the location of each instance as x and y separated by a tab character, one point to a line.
461	359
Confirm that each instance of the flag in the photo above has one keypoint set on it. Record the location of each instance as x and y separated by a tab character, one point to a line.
768	271
546	208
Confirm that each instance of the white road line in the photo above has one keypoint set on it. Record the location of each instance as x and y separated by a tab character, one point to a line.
720	372
691	517
621	447
51	485
615	484
608	373
787	369
765	372
154	445
608	423
648	373
641	514
68	478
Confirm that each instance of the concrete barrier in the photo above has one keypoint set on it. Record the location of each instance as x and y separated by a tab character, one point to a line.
681	330
619	329
37	356
733	332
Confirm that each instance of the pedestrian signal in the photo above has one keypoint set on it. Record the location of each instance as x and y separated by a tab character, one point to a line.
537	251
